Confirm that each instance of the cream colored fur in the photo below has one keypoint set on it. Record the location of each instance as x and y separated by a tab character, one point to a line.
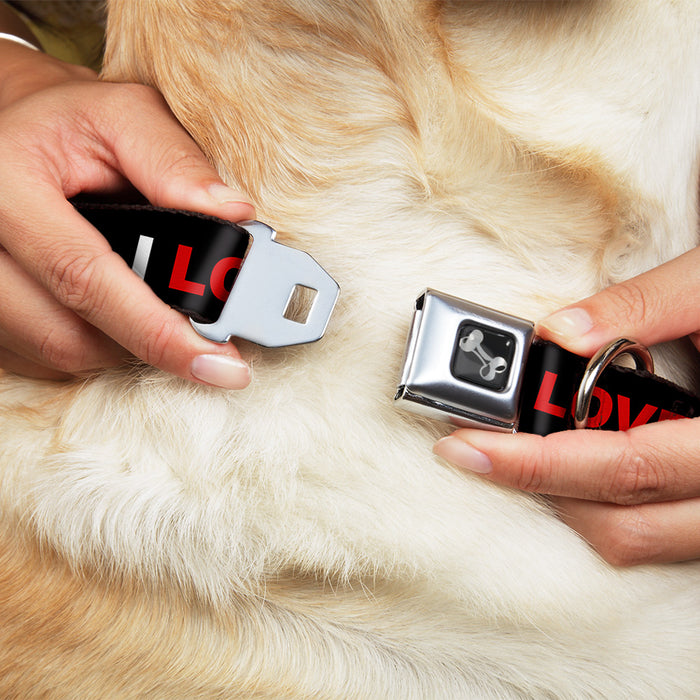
298	539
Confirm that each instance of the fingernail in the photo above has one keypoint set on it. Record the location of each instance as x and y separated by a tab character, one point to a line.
463	455
221	370
569	323
226	195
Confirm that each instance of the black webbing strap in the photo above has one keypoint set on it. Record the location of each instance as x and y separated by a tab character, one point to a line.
623	397
189	260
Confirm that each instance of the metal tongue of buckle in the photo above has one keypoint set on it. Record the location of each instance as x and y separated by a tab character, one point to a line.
257	306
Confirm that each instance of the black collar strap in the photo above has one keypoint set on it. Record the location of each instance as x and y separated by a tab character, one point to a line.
191	262
477	367
621	399
464	363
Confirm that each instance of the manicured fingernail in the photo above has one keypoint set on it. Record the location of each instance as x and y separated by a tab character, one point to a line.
225	195
221	370
463	455
569	323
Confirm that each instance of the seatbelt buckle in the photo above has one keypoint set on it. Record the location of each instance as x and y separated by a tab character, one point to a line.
464	363
257	308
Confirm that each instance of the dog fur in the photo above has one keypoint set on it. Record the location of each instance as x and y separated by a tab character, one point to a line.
298	539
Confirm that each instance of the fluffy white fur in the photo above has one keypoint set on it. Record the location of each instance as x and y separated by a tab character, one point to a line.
520	155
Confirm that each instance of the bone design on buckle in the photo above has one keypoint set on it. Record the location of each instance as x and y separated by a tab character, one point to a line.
474	355
476	367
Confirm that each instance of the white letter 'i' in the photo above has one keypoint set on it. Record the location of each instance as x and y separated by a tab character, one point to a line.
143	253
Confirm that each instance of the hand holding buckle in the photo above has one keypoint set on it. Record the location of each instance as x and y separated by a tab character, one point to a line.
476	367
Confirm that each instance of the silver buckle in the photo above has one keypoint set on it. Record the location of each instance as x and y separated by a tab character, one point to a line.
257	305
464	363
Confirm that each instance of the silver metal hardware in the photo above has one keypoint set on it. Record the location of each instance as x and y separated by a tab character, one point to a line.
597	364
464	363
256	307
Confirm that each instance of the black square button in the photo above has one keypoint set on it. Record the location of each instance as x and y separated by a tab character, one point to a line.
483	356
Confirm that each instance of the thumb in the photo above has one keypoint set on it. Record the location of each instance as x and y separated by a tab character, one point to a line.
164	163
659	305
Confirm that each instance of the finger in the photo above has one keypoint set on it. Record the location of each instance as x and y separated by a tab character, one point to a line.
157	155
11	362
644	534
654	307
77	266
654	462
35	326
90	136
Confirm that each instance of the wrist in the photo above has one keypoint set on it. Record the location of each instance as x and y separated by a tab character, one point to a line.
24	71
13	24
4	36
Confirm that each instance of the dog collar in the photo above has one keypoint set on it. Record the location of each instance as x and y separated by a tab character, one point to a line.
231	279
476	367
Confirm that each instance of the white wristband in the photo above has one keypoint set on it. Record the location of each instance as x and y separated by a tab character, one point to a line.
18	40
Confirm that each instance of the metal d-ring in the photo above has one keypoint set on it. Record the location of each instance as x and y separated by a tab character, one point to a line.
596	366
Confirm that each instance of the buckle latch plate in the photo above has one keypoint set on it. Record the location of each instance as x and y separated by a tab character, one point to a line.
255	309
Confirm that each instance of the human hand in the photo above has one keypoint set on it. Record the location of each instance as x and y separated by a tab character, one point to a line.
68	303
634	495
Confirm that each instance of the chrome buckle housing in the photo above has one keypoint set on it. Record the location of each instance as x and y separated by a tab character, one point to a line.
464	363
